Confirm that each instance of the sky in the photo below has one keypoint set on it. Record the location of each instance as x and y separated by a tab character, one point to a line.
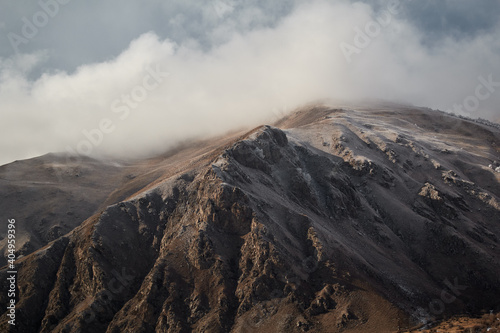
129	79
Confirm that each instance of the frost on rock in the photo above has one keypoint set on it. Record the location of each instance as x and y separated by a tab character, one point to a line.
495	166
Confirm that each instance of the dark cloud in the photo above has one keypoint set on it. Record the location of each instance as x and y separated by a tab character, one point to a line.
93	31
458	19
230	63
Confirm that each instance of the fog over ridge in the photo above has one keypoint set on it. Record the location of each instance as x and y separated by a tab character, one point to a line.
161	89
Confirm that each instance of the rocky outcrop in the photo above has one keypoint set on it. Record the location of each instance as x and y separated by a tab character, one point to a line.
331	225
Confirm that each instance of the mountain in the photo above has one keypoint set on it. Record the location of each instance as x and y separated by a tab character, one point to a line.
376	218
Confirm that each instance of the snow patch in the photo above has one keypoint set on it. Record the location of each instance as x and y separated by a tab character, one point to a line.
305	175
259	152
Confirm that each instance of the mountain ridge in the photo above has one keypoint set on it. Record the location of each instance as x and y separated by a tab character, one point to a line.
300	228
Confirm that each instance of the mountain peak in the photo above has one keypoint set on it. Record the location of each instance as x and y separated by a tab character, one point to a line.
332	219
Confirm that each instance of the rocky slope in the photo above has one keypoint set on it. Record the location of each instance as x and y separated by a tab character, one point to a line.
333	220
50	196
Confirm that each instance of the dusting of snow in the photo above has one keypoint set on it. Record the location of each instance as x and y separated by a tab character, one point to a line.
304	175
259	152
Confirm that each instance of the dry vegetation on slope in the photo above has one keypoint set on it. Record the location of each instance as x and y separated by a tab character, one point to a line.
333	220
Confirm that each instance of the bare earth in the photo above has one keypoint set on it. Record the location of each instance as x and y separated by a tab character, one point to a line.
359	218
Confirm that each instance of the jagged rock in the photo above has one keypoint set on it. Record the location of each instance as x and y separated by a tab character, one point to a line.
430	192
276	231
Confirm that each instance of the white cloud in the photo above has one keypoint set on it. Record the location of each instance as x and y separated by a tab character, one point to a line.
237	83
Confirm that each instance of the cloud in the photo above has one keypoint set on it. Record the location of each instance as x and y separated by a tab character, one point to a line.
160	91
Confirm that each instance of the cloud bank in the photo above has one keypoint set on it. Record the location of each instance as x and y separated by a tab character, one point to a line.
160	90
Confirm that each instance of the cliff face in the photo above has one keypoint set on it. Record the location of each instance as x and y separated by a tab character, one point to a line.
332	220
